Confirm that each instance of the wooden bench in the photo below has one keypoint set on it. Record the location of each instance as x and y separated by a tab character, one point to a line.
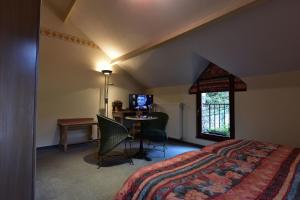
66	124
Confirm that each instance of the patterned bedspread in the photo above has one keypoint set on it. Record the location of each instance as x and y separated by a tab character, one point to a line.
249	150
263	171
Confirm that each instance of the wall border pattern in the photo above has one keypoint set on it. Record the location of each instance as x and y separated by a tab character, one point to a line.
67	38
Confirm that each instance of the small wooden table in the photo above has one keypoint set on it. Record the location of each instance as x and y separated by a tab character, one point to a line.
65	124
141	154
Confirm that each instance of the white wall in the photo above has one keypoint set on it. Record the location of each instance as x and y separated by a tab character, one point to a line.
69	85
175	123
268	111
179	94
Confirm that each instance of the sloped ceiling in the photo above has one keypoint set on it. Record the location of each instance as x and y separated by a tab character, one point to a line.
260	39
121	26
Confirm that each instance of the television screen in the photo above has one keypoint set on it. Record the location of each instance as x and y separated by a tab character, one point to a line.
140	101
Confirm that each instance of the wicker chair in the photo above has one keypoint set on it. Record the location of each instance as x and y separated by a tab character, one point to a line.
112	134
155	130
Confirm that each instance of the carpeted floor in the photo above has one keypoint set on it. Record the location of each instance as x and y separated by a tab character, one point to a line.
74	175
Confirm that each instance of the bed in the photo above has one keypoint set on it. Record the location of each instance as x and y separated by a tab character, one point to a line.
234	169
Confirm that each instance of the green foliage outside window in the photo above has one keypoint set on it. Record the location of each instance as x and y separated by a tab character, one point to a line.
216	98
215	113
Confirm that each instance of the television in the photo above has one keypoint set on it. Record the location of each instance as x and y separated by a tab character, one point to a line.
140	101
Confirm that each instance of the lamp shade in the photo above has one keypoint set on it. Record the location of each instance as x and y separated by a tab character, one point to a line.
106	72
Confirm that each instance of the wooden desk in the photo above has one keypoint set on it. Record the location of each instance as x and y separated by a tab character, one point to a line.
65	124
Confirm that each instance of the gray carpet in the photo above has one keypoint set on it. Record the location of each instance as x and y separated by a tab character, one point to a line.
74	175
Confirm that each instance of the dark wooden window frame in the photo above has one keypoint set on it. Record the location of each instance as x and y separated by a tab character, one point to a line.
212	137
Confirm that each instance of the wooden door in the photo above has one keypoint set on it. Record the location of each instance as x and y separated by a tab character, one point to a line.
19	33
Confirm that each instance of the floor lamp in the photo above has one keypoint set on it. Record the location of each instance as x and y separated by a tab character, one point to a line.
106	74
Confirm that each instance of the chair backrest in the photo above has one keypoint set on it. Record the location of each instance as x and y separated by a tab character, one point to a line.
112	134
159	123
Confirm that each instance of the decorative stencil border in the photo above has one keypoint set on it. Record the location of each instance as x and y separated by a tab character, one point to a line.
68	38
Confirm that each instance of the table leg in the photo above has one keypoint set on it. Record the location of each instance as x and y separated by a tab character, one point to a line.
141	154
64	136
141	144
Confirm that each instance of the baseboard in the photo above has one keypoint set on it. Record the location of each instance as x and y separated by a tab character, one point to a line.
185	142
170	138
47	147
59	146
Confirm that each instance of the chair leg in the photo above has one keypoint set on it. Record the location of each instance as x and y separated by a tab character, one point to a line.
128	156
130	161
129	146
126	153
100	162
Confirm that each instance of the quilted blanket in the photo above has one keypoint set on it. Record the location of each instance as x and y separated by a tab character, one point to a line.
264	171
249	150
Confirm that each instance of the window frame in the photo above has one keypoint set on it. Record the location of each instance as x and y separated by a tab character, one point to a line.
200	134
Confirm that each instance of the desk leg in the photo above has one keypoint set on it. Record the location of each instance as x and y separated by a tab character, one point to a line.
60	135
64	137
91	133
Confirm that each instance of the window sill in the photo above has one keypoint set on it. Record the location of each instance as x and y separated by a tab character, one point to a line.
213	137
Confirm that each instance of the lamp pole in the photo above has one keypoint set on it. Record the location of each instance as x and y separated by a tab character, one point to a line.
106	74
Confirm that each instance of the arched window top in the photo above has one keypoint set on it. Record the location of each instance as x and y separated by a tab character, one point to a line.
216	79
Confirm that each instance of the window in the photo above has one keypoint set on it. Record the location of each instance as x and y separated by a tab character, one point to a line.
214	89
215	113
214	116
